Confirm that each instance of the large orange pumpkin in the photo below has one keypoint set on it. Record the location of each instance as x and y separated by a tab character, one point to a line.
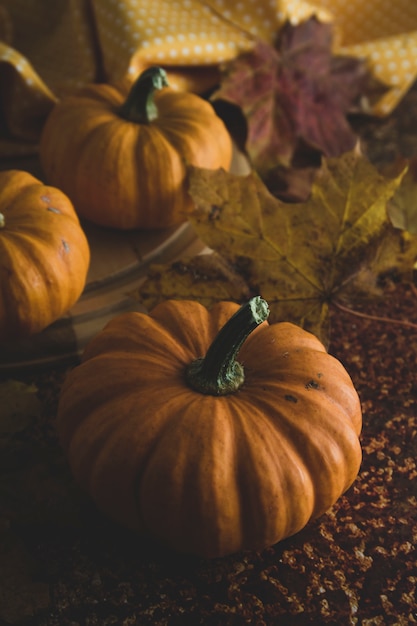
210	455
123	162
44	254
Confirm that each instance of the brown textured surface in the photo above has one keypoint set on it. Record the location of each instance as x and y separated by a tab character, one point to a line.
62	564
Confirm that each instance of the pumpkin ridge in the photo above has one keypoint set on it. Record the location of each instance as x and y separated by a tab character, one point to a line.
190	150
25	214
262	454
113	442
121	379
320	453
147	164
99	151
187	114
283	334
34	251
113	342
20	298
173	316
76	404
190	467
296	381
160	161
84	132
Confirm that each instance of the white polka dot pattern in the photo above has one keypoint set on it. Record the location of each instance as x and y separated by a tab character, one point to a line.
181	32
394	62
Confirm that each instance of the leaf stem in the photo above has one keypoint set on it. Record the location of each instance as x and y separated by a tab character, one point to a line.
375	318
218	373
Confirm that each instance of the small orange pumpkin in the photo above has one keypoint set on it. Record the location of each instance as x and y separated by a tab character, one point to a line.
124	163
44	255
209	454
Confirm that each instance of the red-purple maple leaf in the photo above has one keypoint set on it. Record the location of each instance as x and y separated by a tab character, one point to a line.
296	95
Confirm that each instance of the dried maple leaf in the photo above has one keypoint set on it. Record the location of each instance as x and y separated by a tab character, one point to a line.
388	140
206	278
299	257
296	96
402	207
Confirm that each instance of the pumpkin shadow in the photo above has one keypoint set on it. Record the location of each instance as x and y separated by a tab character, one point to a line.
131	550
57	346
132	555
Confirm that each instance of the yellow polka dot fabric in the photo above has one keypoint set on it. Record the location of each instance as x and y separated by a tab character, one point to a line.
382	31
50	49
25	88
165	33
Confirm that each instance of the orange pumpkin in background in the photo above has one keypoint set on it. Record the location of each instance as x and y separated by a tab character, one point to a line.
44	255
173	436
123	162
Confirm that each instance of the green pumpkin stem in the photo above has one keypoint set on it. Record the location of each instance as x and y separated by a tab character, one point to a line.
2	221
139	106
219	373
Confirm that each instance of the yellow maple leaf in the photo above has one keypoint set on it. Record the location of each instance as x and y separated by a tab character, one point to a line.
402	207
299	257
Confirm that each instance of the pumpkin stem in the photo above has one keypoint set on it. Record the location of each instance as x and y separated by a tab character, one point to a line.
139	106
218	373
2	221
